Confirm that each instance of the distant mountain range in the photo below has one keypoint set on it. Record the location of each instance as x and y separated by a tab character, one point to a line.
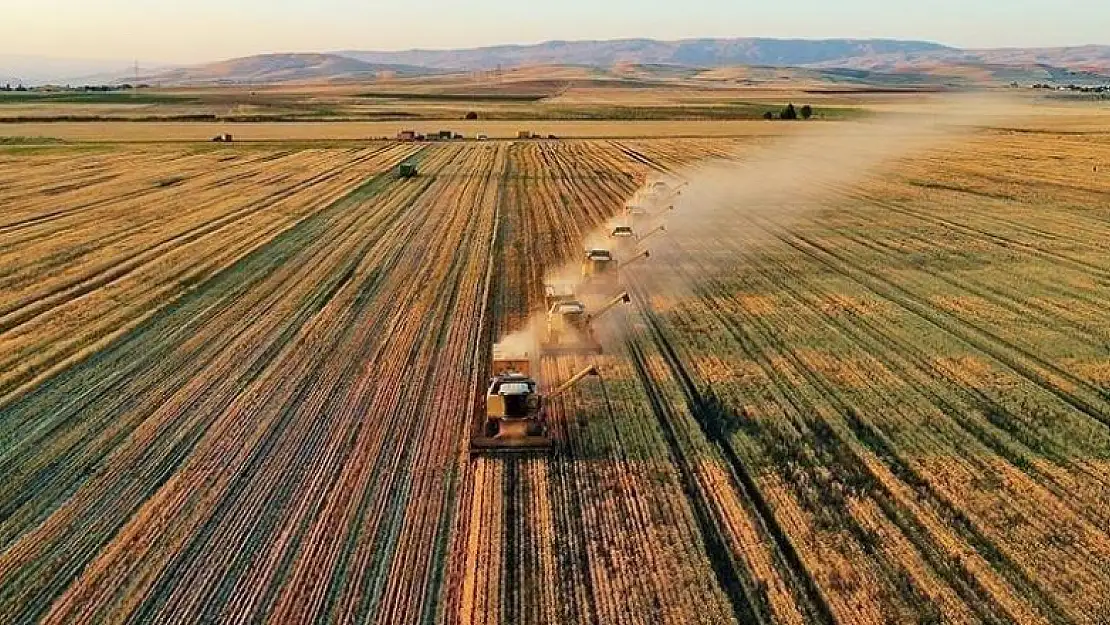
18	69
1085	63
688	52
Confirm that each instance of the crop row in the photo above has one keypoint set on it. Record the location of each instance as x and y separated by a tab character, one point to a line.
75	281
909	413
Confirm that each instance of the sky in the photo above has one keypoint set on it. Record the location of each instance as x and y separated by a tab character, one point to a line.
177	31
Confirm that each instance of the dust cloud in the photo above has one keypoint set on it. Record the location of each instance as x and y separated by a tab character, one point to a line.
523	343
781	182
777	183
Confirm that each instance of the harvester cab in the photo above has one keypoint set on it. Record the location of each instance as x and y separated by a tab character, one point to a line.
623	238
515	420
660	194
558	292
568	330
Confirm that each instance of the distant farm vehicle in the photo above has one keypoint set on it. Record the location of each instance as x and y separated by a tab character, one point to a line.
223	138
407	170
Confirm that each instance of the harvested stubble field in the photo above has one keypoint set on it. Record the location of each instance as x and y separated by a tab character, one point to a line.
238	383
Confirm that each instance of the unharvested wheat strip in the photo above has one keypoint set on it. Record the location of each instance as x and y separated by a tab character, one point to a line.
1001	592
695	446
1015	520
751	544
903	552
854	588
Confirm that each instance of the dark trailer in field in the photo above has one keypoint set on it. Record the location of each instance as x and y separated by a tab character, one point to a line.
407	170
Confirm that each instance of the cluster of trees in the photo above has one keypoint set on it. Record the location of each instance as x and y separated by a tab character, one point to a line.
83	88
1080	88
790	112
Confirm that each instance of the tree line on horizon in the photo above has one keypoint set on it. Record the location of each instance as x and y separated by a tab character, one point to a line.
791	113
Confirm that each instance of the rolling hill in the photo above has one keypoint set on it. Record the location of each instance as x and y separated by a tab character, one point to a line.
877	57
689	52
278	68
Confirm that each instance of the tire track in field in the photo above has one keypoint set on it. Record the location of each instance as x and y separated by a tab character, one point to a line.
13	316
810	597
177	319
1090	403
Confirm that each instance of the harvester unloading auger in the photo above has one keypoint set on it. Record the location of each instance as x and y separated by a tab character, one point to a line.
515	420
659	230
570	327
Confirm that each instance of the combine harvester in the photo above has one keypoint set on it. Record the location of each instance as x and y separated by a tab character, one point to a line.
601	271
515	420
660	193
624	239
570	328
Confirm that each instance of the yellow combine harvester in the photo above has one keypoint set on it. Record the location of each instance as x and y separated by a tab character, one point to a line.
624	240
515	420
570	328
601	271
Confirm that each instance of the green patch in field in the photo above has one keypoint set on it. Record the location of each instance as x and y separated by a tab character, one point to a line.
4	141
94	97
457	97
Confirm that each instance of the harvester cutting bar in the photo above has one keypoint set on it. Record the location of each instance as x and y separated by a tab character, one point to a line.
493	446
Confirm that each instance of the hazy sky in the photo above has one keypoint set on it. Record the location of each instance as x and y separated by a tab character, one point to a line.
200	30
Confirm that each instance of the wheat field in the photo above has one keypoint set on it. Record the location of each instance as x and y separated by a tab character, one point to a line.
237	383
